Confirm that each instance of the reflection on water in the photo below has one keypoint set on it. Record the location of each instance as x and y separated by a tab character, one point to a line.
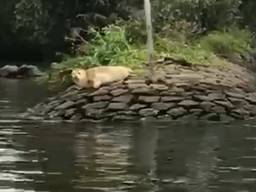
136	157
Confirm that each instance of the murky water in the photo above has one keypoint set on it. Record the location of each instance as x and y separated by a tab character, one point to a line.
136	157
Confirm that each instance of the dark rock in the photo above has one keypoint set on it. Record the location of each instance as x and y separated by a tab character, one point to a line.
237	115
144	91
196	112
188	103
123	98
29	71
177	112
228	105
70	112
148	112
206	106
149	99
126	113
118	92
211	117
96	105
102	98
171	99
95	113
124	117
238	102
163	106
55	114
240	112
251	99
76	117
165	116
218	109
79	96
117	106
66	105
226	118
81	102
101	91
189	117
137	106
9	71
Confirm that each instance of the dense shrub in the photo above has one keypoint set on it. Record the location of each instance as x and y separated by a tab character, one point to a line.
228	43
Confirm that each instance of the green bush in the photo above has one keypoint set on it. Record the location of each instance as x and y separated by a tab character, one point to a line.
207	14
228	43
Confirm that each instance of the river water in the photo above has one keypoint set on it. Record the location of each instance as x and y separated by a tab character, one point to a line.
120	157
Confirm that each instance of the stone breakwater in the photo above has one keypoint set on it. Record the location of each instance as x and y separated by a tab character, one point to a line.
185	93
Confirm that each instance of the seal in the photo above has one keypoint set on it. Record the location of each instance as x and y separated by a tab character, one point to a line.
97	76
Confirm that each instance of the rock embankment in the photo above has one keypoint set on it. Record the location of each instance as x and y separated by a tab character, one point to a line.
207	93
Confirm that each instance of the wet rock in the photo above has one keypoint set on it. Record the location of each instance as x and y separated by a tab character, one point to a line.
124	117
66	105
211	117
177	112
240	113
148	112
126	113
218	109
161	106
76	117
206	106
9	71
171	99
70	112
137	106
118	92
188	103
226	118
123	98
95	113
149	99
117	106
29	71
102	98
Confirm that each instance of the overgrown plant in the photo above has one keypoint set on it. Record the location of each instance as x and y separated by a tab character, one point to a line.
228	43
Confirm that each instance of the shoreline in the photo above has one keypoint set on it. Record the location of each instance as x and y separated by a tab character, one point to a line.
186	92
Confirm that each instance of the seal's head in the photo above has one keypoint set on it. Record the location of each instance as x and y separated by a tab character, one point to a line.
78	74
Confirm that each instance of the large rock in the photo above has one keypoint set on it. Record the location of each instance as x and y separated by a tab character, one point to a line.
24	71
9	71
29	71
148	112
177	112
149	99
161	106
